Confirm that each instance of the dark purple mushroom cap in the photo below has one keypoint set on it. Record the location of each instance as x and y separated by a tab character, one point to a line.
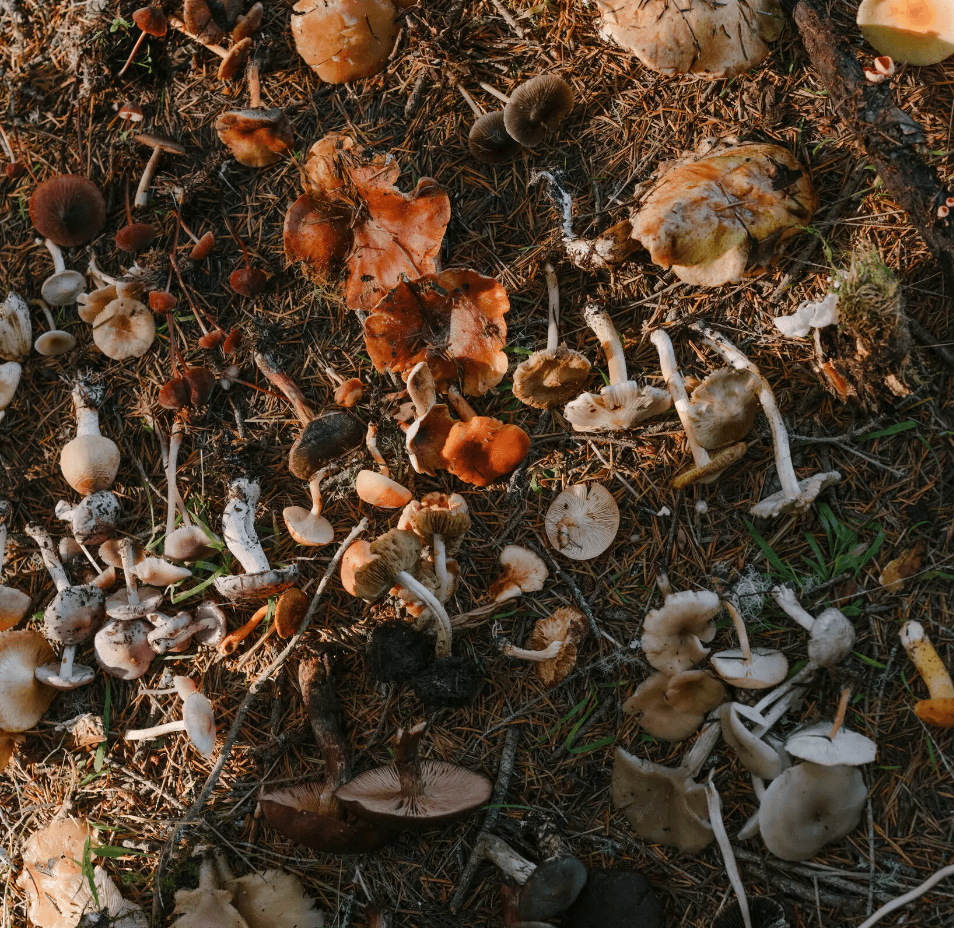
68	210
551	889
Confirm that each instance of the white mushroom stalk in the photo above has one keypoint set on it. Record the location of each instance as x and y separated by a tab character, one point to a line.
714	803
553	310
86	400
551	651
599	321
59	265
198	720
238	525
371	440
505	858
172	492
677	388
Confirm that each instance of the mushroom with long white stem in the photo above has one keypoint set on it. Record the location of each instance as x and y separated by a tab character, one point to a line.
198	720
308	526
158	144
714	803
428	433
188	542
623	402
796	495
62	287
377	488
831	634
746	667
13	602
441	520
133	602
90	461
552	644
54	342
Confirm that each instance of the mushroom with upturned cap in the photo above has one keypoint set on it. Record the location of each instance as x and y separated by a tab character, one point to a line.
537	106
582	521
310	527
427	434
62	287
762	758
54	342
257	137
376	488
673	634
746	667
552	644
673	708
198	720
124	329
938	709
68	210
24	697
440	520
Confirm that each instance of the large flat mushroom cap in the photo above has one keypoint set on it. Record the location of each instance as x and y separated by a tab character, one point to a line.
124	329
673	634
582	521
23	698
483	450
673	708
914	31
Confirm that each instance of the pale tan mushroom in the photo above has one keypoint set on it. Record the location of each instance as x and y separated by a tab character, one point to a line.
274	899
23	698
124	329
524	572
582	521
310	527
377	488
673	635
722	408
90	461
552	644
914	31
673	708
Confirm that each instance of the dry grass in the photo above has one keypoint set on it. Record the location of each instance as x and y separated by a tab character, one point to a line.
626	123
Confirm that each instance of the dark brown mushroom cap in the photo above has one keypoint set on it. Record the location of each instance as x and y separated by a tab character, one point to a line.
248	281
68	210
617	899
550	377
135	237
323	440
551	889
256	136
489	140
290	611
202	247
316	234
151	20
484	450
158	141
395	551
536	106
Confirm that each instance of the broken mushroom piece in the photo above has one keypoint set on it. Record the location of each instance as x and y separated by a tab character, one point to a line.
831	635
723	407
16	329
93	520
90	461
745	667
938	709
428	433
673	634
761	758
623	402
68	210
24	697
919	33
309	527
198	720
552	645
414	793
582	521
13	603
440	520
673	708
377	488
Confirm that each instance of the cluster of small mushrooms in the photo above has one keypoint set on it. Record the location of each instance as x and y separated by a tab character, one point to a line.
713	218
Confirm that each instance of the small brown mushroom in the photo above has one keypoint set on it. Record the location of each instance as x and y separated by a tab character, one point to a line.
673	708
151	21
537	106
552	644
158	144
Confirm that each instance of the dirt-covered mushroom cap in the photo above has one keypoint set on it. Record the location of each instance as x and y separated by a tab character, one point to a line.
582	521
537	106
344	40
257	137
913	31
550	377
394	552
673	634
765	668
73	614
23	698
672	708
68	210
323	440
524	572
124	329
483	449
93	519
490	142
123	649
809	806
716	217
817	744
760	757
712	40
16	329
723	407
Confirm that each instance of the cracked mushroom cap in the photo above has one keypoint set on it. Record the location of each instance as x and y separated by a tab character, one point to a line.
537	106
712	40
914	31
524	572
715	218
453	321
68	210
123	649
257	137
344	40
395	551
759	757
673	634
437	513
490	142
662	804
483	450
582	521
816	744
723	407
673	708
567	625
550	377
124	329
618	406
766	668
809	806
23	698
323	440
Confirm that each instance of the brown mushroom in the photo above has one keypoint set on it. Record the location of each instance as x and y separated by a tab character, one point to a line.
537	106
151	21
158	144
68	210
552	644
673	708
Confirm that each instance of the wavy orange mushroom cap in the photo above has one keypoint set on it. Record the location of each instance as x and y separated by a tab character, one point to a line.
484	450
256	136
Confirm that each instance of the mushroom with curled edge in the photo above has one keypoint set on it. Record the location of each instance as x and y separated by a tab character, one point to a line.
488	140
62	287
53	342
198	720
349	392
93	520
24	697
440	520
308	526
796	495
157	571
831	634
260	580
71	617
536	107
68	209
271	899
582	521
16	329
411	792
134	602
722	408
209	904
673	708
746	667
158	144
624	402
427	434
938	709
122	648
552	644
309	813
673	634
762	758
13	602
556	374
170	633
665	805
376	488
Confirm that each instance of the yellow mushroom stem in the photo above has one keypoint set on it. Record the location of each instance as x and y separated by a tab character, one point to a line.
927	661
719	462
842	710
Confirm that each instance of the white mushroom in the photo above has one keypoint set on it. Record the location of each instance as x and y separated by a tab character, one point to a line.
831	635
62	287
198	720
16	330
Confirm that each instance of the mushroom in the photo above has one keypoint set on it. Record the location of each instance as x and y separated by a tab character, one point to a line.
537	106
582	521
158	144
16	330
157	571
344	40
70	618
545	890
23	696
170	633
831	635
453	320
938	709
524	572
134	237
761	758
134	602
746	667
93	520
207	905
247	25
10	373
920	32
259	581
198	720
488	140
552	644
200	27
414	793
428	433
615	899
440	520
124	329
13	603
673	708
55	342
62	287
796	495
623	402
188	542
151	21
349	392
831	745
555	375
378	489
275	899
123	649
121	912
68	209
722	408
673	635
310	527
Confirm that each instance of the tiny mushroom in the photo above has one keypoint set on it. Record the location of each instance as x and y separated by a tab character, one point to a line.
537	106
198	720
938	708
622	403
376	488
93	520
68	209
13	603
62	287
158	144
308	526
24	697
552	644
582	521
673	635
831	634
746	667
349	392
54	342
673	708
919	32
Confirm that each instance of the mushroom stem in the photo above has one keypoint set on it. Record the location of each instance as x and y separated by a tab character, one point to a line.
494	92
46	313
551	651
145	182
321	704
927	661
420	387
901	901
172	493
126	553
783	453
314	487
471	102
59	265
439	550
180	26
703	747
714	802
167	728
229	644
599	321
371	441
50	559
461	406
101	279
254	76
278	378
238	525
740	630
677	389
4	515
333	374
132	54
503	856
789	604
442	621
842	711
66	662
87	414
553	308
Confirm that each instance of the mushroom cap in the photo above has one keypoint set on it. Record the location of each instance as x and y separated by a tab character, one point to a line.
344	40
188	543
53	344
203	908
618	406
89	463
199	718
672	708
16	330
815	744
10	373
51	675
483	450
550	377
124	329
73	614
809	806
13	606
234	62
914	31
831	638
714	41
358	554
256	136
567	625
767	668
23	698
453	321
151	20
90	305
68	210
109	552
524	572
306	527
290	611
159	572
757	756
275	899
662	804
238	587
123	649
317	234
119	607
203	247
248	281
324	439
490	142
94	517
551	889
538	105
715	218
211	616
135	237
150	140
378	490
809	490
395	551
349	393
426	438
723	407
131	112
582	521
199	22
437	513
247	26
62	289
615	899
673	634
